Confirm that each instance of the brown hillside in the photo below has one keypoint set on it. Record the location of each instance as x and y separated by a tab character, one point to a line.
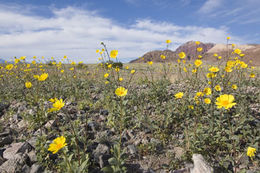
251	51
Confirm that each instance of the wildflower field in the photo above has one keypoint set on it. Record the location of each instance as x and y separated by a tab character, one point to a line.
114	117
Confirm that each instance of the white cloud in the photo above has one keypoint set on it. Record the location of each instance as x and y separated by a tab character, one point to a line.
77	33
210	5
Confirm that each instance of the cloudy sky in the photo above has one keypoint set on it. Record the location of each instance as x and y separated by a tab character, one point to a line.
54	28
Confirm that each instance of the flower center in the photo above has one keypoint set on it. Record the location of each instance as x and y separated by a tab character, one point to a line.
225	102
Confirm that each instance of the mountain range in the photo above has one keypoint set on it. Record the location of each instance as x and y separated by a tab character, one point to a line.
251	51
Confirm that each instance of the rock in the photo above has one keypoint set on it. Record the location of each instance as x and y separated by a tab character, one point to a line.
16	164
93	126
177	151
6	140
50	124
185	170
22	124
101	150
101	155
26	169
32	141
2	160
21	147
32	156
36	168
3	107
17	117
104	112
132	149
200	165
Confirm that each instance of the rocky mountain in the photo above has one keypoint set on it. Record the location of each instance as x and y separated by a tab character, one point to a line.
251	51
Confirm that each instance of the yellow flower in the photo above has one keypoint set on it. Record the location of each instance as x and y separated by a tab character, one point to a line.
183	61
225	101
132	71
57	105
251	152
163	57
178	60
215	54
211	75
113	53
150	62
199	56
109	65
197	62
191	107
43	77
182	55
194	71
16	61
117	69
36	76
107	82
184	69
237	51
57	144
97	51
219	57
22	57
234	86
120	79
127	67
28	84
228	38
217	88
178	95
207	101
199	49
197	42
168	41
199	94
228	69
9	66
214	69
121	91
33	62
252	75
72	68
62	71
207	91
241	55
106	75
243	64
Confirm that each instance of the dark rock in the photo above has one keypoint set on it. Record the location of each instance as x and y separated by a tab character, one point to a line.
26	147
93	126
2	160
104	112
17	117
6	140
3	107
26	169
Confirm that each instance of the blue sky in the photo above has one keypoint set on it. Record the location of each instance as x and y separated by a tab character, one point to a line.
76	27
